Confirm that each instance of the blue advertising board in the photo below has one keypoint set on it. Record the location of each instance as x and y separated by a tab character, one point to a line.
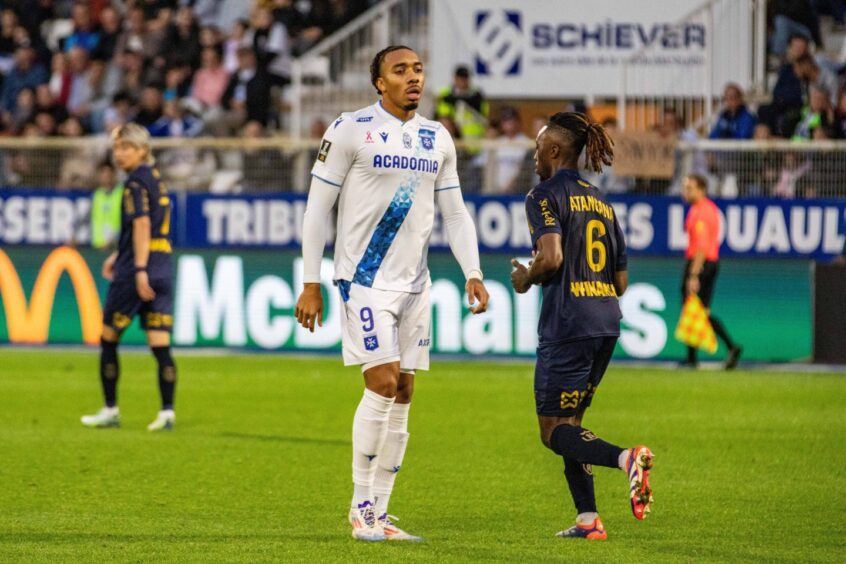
654	226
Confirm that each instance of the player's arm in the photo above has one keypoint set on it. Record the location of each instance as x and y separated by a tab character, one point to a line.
460	231
461	236
334	159
321	199
545	228
141	238
547	260
621	263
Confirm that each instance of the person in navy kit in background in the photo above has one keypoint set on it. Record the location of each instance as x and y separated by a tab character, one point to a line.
141	277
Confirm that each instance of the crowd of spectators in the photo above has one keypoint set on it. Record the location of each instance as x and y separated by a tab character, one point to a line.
178	67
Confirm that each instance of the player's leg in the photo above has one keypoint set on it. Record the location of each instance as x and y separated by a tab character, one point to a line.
690	361
708	281
122	304
414	331
159	342
370	340
157	321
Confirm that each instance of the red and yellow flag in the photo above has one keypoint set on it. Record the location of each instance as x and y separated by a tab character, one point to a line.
694	328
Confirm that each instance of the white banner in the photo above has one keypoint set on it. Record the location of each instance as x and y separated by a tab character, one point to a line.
576	48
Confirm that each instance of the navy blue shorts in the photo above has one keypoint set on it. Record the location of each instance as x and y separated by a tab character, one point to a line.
567	374
123	304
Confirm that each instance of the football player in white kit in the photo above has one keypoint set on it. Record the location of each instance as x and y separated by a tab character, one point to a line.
388	166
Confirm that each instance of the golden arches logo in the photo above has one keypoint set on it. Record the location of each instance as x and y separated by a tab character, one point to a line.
31	324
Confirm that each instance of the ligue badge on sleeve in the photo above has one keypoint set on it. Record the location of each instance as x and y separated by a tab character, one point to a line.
324	150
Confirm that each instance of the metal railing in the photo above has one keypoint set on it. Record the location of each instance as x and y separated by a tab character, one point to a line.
782	169
722	52
334	76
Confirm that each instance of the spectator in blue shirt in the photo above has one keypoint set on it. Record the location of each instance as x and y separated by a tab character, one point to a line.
735	121
84	33
25	74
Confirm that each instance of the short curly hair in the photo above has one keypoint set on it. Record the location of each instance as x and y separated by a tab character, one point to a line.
376	64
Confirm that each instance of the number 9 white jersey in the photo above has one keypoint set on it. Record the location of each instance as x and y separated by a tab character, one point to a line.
388	172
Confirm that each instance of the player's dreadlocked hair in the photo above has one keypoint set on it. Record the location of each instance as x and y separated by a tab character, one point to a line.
376	64
582	133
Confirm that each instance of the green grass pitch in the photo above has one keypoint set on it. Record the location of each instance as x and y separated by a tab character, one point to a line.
750	466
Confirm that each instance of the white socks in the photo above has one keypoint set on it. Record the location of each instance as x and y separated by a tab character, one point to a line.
586	518
621	460
370	428
390	458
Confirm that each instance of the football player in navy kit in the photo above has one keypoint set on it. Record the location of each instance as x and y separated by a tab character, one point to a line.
580	262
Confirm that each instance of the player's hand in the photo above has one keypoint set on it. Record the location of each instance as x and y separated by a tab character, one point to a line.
520	277
142	286
109	267
476	292
692	285
310	306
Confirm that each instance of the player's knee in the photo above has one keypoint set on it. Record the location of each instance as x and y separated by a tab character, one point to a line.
109	335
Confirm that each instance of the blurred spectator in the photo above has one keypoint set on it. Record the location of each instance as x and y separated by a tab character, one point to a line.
25	74
790	94
269	41
262	165
792	170
8	23
119	112
78	166
792	17
181	40
735	121
150	106
764	168
177	81
136	37
46	123
81	91
210	80
106	208
840	115
247	96
45	102
205	11
110	28
465	105
834	8
508	166
606	180
232	44
817	115
84	35
175	122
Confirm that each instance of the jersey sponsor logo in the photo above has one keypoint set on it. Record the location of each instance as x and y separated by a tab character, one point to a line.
384	136
403	162
338	122
324	150
364	119
548	217
406	140
31	324
427	139
368	138
587	436
371	342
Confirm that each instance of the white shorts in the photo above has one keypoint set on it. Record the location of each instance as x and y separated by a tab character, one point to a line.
380	326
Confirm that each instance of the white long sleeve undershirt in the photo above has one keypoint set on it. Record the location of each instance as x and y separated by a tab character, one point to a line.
321	199
460	232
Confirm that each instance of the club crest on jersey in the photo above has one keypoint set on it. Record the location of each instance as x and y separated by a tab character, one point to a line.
384	136
427	139
368	138
371	342
406	140
324	150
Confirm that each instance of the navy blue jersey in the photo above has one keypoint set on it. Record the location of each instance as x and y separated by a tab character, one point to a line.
144	194
579	300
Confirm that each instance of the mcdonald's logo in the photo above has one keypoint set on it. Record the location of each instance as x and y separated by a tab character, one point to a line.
31	323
